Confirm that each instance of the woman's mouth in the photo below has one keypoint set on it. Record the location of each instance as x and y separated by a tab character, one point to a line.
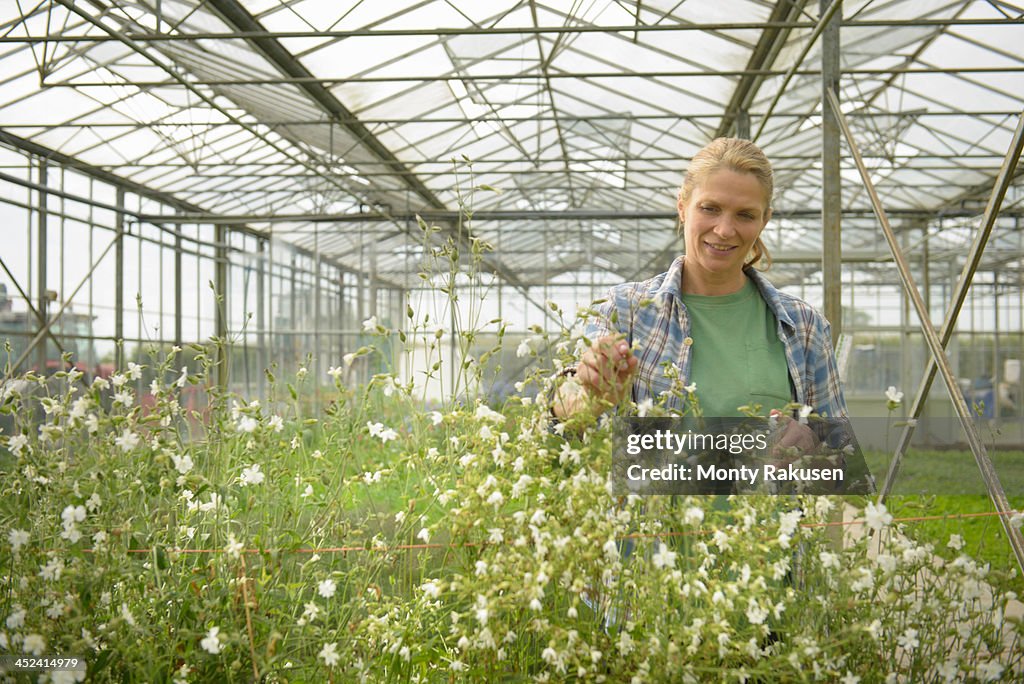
720	248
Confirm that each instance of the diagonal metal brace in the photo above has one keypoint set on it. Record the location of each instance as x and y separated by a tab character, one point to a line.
988	473
32	310
995	201
56	317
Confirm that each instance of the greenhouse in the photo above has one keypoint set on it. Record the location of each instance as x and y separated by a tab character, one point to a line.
331	328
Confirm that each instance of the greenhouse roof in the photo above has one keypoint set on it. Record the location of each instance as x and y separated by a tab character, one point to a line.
333	123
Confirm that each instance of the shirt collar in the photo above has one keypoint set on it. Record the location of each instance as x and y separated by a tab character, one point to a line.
771	296
671	287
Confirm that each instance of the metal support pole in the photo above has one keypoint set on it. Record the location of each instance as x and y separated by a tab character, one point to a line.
179	304
119	281
41	258
831	181
261	315
935	345
317	351
220	267
743	124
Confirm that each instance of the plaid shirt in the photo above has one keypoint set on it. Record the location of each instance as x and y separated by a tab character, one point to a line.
651	314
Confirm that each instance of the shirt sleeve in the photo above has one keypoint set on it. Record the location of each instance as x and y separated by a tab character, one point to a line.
828	391
600	323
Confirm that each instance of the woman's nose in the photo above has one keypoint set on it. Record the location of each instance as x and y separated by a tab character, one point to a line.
725	226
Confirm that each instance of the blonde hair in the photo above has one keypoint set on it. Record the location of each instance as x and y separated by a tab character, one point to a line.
741	156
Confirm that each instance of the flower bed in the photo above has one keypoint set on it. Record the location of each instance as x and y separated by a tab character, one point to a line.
380	541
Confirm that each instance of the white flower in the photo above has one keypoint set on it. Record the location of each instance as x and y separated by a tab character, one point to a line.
370	324
893	396
850	678
124	398
431	588
311	612
693	516
335	372
804	412
308	491
276	423
79	408
134	371
34	644
127	441
301	374
347	359
252	475
424	534
664	558
644	406
18	538
956	542
214	503
990	670
875	629
484	412
181	674
481	613
233	547
183	378
755	613
52	570
436	417
327	588
691	388
17	443
876	517
183	464
329	654
908	640
211	642
886	562
16	619
247	424
829	560
1017	520
524	349
126	614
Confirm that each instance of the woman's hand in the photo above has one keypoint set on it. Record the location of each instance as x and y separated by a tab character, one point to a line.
605	374
794	434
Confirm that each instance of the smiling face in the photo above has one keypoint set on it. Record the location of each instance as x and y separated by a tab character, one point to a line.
721	221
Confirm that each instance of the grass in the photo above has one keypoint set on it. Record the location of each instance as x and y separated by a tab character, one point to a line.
949	484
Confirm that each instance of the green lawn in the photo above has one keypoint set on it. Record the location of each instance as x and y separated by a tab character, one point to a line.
949	484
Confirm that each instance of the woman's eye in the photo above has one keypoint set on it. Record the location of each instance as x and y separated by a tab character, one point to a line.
708	208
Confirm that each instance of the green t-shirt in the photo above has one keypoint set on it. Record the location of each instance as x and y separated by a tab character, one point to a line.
737	358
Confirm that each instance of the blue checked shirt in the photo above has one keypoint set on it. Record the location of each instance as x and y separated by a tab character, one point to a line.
652	316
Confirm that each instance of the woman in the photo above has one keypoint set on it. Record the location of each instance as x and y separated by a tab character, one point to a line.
711	316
